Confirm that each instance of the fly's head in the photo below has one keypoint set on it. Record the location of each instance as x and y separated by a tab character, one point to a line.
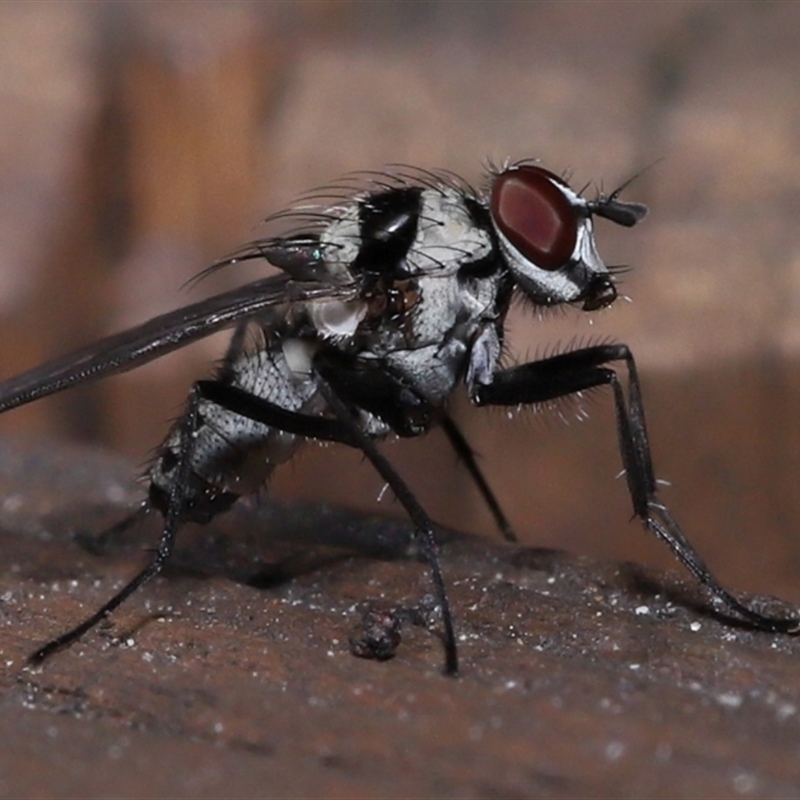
546	235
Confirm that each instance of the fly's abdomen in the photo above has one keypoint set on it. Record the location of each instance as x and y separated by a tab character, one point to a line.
232	455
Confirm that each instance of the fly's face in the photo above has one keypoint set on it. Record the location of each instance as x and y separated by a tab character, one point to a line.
546	235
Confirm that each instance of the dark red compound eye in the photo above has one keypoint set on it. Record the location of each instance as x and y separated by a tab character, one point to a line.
534	215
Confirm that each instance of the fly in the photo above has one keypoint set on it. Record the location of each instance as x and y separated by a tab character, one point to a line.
388	297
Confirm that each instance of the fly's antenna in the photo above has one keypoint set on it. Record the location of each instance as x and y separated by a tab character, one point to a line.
612	208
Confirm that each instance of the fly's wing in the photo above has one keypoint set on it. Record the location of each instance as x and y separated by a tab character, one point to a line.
161	335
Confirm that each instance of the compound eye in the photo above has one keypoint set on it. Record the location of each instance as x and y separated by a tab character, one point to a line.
533	213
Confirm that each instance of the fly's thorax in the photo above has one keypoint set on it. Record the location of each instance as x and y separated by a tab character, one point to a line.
422	303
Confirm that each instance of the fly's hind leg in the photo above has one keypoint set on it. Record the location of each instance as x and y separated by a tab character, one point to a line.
172	521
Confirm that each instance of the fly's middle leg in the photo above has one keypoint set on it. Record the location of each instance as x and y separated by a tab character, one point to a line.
344	428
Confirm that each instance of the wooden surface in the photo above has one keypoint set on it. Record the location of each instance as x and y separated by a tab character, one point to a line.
231	675
141	141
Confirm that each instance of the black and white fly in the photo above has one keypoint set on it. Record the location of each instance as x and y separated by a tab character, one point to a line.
388	298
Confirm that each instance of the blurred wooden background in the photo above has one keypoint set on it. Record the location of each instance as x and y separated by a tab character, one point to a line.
139	142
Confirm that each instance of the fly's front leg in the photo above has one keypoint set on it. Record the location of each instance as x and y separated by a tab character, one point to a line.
172	521
588	368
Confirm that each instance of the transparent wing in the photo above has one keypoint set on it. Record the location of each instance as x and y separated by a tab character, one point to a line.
161	335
